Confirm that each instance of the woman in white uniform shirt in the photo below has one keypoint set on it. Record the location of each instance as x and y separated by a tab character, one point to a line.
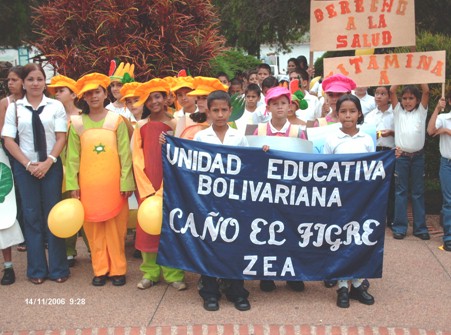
41	125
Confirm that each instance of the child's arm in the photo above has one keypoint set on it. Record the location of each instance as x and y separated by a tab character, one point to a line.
393	96
425	95
432	129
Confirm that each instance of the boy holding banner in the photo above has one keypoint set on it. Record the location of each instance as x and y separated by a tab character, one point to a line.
218	111
441	125
410	129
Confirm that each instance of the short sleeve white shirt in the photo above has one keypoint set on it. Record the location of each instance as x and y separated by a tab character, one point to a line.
410	128
124	111
306	114
341	143
368	103
382	121
232	137
53	118
444	121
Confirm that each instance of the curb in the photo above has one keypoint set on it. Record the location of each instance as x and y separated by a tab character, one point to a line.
236	329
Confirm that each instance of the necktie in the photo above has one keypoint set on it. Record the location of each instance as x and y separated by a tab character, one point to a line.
40	144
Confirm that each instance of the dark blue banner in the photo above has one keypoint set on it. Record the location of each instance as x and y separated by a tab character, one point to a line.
234	212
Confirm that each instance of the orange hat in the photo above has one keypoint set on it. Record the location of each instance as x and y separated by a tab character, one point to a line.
172	81
91	82
206	85
128	90
182	82
62	81
154	85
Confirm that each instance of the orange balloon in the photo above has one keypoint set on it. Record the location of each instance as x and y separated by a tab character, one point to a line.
66	218
150	215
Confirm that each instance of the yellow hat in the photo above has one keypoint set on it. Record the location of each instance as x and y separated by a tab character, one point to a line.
154	85
121	70
182	82
62	81
91	82
206	85
128	90
172	81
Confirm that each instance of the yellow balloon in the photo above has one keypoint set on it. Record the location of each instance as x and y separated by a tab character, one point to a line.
363	52
66	218
150	215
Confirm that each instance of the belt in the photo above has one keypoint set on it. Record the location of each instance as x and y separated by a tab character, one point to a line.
412	154
382	148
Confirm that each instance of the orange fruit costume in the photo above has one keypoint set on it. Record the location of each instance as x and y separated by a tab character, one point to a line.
99	165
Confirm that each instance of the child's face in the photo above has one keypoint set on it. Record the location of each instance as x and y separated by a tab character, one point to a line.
348	115
252	98
155	102
235	89
224	80
332	98
116	89
201	101
136	111
183	99
409	101
95	98
293	109
253	79
291	66
219	113
64	95
262	74
279	107
170	98
381	96
294	75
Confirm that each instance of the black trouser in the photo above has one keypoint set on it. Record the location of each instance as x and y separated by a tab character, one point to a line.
391	193
210	288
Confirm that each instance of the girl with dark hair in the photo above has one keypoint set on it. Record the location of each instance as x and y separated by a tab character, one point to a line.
349	139
41	126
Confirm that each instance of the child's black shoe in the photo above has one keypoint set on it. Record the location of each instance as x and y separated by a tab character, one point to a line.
343	297
361	294
211	304
241	303
267	285
9	277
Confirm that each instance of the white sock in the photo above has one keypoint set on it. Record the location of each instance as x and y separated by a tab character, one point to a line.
8	265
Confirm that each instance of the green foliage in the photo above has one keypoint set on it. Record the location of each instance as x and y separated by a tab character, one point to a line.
14	22
232	61
248	24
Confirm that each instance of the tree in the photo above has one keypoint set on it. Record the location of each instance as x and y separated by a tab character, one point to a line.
248	24
160	37
16	12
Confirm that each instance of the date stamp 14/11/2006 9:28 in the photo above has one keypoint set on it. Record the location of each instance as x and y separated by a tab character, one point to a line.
55	301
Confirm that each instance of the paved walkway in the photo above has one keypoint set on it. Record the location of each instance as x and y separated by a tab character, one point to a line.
413	297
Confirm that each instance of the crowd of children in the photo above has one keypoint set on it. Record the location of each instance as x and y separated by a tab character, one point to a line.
124	138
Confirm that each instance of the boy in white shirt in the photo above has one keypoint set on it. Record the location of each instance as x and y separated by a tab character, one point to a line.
218	112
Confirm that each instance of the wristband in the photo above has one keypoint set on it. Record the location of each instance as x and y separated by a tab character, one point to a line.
53	158
27	166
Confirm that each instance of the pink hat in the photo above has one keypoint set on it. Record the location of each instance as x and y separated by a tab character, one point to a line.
276	92
338	83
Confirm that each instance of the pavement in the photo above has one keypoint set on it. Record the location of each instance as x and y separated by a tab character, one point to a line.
412	297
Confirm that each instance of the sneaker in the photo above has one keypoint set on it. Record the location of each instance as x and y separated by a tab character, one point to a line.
179	285
145	283
9	277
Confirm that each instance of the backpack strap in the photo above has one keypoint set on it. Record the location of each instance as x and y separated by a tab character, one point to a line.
112	121
77	122
294	131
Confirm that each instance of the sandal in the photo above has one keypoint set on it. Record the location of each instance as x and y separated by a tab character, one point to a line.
62	279
22	247
37	281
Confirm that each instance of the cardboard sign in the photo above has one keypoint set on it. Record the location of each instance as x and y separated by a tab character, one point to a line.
390	69
361	24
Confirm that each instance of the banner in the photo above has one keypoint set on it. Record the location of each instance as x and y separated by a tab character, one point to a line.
361	24
239	212
390	69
